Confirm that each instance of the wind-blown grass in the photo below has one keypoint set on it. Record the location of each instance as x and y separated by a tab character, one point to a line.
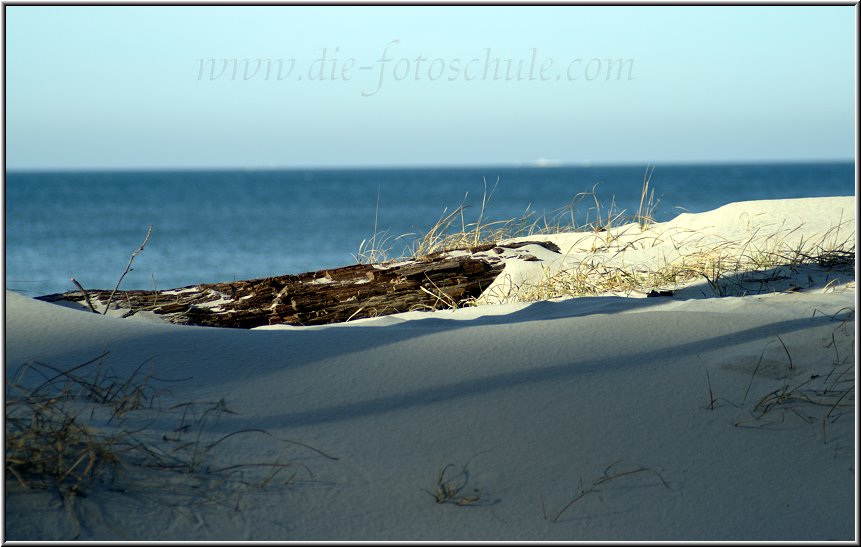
729	268
726	268
75	429
454	231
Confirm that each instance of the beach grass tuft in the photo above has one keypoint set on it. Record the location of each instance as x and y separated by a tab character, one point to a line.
756	265
728	268
454	231
72	429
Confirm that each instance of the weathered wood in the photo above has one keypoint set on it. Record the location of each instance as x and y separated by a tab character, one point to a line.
326	296
438	280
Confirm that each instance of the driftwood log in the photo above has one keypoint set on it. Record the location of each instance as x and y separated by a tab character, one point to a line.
439	280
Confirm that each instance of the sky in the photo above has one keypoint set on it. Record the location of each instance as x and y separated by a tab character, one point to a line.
190	87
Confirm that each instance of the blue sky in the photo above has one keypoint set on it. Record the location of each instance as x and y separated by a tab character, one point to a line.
154	86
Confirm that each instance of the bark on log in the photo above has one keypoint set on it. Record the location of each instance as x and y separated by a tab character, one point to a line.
439	280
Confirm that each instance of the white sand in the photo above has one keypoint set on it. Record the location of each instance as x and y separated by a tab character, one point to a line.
535	400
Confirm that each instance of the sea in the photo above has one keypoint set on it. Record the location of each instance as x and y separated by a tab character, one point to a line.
215	226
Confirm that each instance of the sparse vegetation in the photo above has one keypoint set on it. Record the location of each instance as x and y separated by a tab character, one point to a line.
829	387
69	430
450	487
446	235
597	263
728	268
452	230
119	281
648	205
608	475
818	391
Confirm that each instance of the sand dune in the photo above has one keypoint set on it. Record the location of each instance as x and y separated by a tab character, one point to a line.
716	414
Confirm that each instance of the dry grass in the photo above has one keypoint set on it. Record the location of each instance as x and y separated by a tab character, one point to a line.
454	231
648	205
753	266
49	441
824	394
376	248
609	474
71	430
727	268
450	487
723	268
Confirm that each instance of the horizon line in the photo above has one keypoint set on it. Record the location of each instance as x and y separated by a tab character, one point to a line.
531	164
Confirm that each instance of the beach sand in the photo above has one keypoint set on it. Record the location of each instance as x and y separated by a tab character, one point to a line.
725	412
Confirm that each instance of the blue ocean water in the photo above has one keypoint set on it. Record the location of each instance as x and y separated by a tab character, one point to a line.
212	226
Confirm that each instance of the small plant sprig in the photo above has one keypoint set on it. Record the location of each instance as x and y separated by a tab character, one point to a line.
607	476
128	269
120	280
648	205
450	490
